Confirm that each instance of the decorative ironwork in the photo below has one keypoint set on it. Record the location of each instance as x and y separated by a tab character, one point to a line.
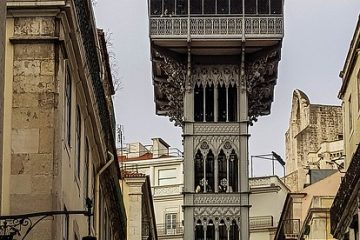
342	199
21	225
226	27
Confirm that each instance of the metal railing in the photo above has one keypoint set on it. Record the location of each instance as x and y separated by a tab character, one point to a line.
261	222
217	26
163	230
291	228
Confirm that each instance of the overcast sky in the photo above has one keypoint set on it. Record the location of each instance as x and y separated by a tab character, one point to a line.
317	38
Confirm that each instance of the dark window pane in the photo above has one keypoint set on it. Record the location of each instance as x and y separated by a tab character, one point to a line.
232	104
234	231
198	104
223	6
169	7
263	6
209	104
199	172
222	104
181	7
250	6
210	172
233	167
276	7
222	172
236	6
209	6
210	232
196	6
222	231
156	7
199	233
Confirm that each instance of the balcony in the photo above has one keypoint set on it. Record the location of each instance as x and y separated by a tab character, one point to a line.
166	232
172	20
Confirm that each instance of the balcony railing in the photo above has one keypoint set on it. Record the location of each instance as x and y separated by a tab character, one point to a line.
167	190
217	27
163	230
261	222
291	228
346	190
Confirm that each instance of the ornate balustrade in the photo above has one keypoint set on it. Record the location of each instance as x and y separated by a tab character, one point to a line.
216	199
163	230
216	27
261	222
167	190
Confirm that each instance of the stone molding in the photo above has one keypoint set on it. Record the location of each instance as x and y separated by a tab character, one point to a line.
216	128
214	199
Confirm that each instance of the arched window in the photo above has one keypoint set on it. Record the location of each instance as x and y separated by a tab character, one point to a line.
210	231
199	231
222	231
209	103
210	172
232	103
198	103
222	103
234	231
222	172
199	172
233	169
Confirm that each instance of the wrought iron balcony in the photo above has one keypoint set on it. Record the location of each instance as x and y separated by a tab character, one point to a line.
212	19
175	229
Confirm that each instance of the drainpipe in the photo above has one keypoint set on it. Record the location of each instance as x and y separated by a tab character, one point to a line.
97	191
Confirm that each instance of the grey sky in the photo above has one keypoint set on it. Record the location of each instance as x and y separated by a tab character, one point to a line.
317	37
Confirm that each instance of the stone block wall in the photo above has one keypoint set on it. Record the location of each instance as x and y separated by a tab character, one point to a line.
34	104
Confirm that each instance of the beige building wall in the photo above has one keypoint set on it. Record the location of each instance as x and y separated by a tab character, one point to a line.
265	190
42	170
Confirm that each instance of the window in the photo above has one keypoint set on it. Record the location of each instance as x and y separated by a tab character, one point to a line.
222	231
181	7
167	177
68	89
170	223
199	231
350	114
86	170
232	103
234	231
198	103
156	7
78	144
209	107
276	6
199	172
210	179
263	7
223	6
250	6
222	103
209	6
236	6
169	7
196	6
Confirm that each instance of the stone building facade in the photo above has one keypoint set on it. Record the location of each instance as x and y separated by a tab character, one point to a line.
311	127
2	77
139	206
345	216
58	144
165	168
214	71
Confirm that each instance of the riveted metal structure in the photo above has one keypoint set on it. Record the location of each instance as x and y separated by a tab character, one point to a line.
214	70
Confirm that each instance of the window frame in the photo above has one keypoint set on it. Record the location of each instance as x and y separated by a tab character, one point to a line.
78	132
172	224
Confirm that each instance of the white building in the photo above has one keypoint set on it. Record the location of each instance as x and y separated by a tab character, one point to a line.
164	166
267	199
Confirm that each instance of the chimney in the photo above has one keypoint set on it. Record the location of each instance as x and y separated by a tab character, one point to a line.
159	148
